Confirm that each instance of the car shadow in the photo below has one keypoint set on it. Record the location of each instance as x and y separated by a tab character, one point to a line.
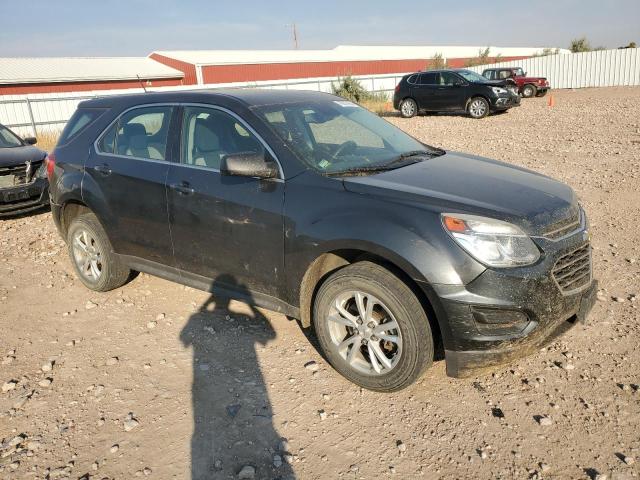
232	415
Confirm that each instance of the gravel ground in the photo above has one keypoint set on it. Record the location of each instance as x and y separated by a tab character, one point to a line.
158	380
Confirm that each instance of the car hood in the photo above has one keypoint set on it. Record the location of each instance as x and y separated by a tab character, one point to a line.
458	182
10	157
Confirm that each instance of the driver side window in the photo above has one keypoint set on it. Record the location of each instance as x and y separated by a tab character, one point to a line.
209	134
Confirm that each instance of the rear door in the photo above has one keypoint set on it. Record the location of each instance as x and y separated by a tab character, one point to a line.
226	230
425	91
125	179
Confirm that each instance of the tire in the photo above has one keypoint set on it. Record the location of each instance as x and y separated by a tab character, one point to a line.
401	353
408	108
542	93
478	107
529	91
92	256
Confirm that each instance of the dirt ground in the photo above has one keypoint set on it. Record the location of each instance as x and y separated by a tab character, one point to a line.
161	381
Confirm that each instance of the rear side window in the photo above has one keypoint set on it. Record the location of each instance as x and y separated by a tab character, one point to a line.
140	133
81	119
428	79
412	79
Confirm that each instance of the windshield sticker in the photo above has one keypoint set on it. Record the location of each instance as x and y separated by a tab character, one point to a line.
324	164
345	103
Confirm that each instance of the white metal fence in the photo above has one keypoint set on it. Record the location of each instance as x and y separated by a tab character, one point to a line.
39	113
604	68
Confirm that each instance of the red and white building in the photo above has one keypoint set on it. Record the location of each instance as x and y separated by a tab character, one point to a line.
203	67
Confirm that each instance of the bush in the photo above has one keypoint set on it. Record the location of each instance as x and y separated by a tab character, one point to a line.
351	89
580	45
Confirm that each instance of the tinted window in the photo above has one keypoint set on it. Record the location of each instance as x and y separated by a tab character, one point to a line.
8	139
490	74
209	134
141	133
448	78
428	79
412	79
82	118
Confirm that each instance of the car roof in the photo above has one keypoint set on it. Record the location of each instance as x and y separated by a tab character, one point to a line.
251	97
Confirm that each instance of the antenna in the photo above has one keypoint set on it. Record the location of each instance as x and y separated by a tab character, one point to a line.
141	84
294	32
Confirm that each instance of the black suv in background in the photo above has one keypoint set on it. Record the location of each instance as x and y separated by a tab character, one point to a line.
453	90
309	205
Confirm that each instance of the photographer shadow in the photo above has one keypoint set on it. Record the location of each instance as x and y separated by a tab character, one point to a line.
232	414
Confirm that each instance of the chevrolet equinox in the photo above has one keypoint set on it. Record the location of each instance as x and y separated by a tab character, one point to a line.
309	205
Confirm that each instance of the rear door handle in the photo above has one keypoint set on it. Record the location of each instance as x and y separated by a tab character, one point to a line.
182	188
103	169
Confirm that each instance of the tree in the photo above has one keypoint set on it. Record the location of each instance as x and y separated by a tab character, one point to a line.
481	59
580	45
437	62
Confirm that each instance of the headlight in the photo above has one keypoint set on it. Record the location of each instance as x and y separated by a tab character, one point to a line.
492	242
498	90
42	170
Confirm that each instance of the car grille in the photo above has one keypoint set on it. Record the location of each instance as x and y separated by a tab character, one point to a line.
563	227
16	175
572	271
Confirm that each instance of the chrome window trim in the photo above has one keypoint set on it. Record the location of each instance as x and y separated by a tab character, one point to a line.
187	104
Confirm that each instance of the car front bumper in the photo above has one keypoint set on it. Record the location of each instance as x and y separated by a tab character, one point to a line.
503	102
24	198
528	300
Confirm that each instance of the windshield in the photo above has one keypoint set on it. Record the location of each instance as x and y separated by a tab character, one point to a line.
337	136
8	139
471	76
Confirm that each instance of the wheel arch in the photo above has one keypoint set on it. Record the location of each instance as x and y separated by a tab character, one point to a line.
328	262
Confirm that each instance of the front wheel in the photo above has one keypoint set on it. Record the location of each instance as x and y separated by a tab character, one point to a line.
529	91
408	108
478	107
372	328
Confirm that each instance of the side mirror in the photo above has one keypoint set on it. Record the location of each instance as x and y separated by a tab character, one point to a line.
31	140
248	164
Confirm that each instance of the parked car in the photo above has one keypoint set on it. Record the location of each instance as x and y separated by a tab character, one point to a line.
309	205
452	90
23	178
527	86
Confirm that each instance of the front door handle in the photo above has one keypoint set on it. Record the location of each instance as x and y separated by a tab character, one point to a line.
103	169
182	188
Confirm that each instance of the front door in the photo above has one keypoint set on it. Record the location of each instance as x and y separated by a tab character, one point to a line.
129	169
450	91
225	229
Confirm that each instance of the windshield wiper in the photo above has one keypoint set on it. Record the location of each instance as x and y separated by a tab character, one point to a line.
401	160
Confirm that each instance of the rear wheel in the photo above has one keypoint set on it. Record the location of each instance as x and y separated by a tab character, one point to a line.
372	328
408	108
529	90
92	256
478	107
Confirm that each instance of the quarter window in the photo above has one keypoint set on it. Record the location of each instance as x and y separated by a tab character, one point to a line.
208	134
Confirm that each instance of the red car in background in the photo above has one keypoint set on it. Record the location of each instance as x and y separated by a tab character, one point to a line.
527	86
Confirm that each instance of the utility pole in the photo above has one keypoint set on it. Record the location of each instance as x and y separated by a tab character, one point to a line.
294	31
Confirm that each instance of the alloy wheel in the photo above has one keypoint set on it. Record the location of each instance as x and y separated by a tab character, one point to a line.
408	108
364	333
87	255
478	108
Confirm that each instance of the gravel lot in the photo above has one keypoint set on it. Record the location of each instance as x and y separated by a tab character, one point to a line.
158	380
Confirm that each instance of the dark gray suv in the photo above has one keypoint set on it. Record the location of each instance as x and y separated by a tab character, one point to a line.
312	206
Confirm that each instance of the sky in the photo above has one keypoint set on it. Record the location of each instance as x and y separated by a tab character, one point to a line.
39	28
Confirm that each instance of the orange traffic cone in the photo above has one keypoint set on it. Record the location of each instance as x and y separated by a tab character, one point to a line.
551	101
